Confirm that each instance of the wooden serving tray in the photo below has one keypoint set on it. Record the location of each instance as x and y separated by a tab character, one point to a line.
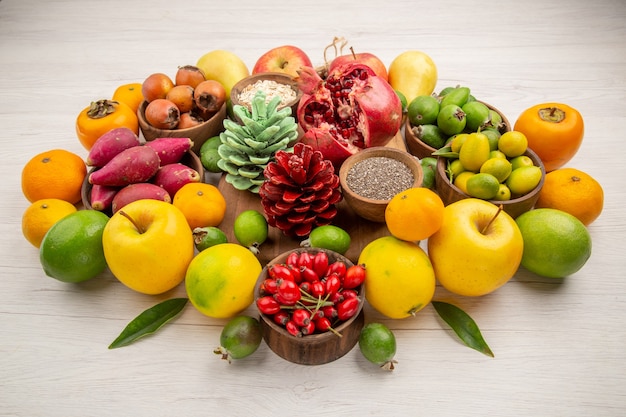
361	231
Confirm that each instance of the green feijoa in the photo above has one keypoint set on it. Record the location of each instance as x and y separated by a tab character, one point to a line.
240	337
205	237
493	135
445	91
458	96
432	135
378	345
451	119
429	167
495	120
477	115
423	110
402	98
251	229
329	237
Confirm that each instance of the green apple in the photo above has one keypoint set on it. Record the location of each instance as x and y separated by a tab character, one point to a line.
478	248
148	246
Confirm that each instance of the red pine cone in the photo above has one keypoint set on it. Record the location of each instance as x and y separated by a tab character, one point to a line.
300	191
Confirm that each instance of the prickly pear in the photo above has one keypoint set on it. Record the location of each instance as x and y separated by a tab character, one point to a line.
170	150
132	165
171	177
110	144
102	196
139	191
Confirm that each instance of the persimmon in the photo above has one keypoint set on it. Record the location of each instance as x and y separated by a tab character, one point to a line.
162	114
182	96
156	86
189	75
554	131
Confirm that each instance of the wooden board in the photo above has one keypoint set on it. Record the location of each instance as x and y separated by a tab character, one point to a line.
361	231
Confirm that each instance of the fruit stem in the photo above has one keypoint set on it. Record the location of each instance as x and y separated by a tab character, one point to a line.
123	213
484	230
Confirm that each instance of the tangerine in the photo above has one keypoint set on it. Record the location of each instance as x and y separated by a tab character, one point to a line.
56	173
572	191
129	94
202	204
41	215
414	214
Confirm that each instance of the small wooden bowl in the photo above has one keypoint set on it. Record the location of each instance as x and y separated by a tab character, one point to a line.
198	134
421	149
278	77
367	208
190	159
450	193
317	348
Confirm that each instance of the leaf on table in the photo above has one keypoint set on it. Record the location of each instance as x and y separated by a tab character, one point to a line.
463	325
149	321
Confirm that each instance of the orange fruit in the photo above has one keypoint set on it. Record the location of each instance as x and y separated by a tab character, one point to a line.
572	191
55	173
41	215
129	94
202	204
414	214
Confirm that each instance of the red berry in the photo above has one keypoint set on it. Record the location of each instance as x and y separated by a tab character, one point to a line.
305	286
288	291
317	289
330	312
320	263
292	260
308	274
308	328
333	284
347	308
295	273
349	294
280	272
355	276
337	267
301	317
322	324
281	318
269	286
293	328
305	260
267	305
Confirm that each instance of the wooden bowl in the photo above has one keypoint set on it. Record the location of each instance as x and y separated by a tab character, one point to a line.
278	77
450	193
190	159
317	348
368	208
421	149
198	134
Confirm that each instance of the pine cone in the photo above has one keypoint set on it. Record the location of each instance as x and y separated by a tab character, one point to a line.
246	149
300	191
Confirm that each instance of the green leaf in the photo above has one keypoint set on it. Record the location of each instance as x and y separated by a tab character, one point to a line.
149	321
446	152
463	325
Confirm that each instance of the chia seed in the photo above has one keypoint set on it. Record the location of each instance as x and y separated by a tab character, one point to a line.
379	178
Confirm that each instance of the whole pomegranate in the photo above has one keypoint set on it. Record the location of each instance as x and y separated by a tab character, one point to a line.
350	110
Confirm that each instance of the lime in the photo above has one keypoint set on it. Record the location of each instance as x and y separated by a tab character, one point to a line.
378	345
523	180
220	280
477	114
556	244
503	193
328	237
455	167
497	154
209	160
498	167
240	337
521	161
461	180
71	250
493	135
423	110
205	237
482	185
250	228
513	143
211	143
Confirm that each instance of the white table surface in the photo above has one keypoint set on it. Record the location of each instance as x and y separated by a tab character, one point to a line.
560	346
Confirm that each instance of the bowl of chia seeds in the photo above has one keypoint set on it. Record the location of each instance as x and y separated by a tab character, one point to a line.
371	177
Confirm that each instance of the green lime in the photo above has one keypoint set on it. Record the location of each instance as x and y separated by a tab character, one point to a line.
71	250
250	229
497	154
240	337
556	244
493	135
477	115
402	98
451	119
429	169
504	193
205	237
482	185
209	160
455	167
328	237
378	345
521	161
211	143
423	110
524	179
498	167
513	143
461	180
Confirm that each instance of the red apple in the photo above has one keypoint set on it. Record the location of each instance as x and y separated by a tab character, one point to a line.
364	58
287	59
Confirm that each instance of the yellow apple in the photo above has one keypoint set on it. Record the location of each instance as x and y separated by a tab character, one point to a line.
413	73
223	66
148	246
477	249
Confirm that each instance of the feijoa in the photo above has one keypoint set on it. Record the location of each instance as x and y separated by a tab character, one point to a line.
240	337
205	237
423	110
451	119
477	115
329	237
431	135
429	167
378	345
251	229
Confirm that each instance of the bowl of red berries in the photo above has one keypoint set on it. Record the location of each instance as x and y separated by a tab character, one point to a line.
311	305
